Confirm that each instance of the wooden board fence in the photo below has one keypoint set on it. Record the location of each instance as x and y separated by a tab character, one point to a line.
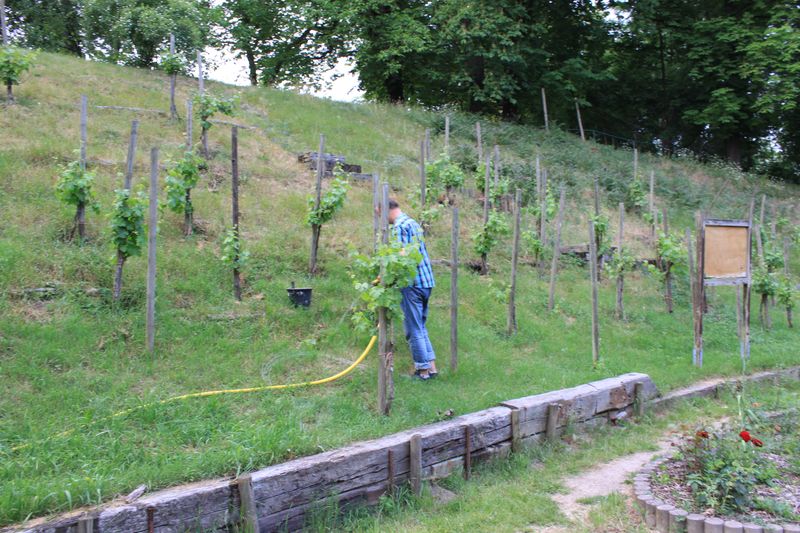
358	474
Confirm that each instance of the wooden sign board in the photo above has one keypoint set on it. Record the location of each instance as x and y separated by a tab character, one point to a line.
726	252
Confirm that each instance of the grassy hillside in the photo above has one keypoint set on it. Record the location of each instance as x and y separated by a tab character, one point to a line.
71	359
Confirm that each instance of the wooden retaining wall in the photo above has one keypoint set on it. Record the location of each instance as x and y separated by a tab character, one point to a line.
360	473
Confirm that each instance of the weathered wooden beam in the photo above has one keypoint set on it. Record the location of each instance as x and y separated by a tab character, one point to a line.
247	501
415	463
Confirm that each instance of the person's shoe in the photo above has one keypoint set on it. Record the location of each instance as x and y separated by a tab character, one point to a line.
422	377
432	375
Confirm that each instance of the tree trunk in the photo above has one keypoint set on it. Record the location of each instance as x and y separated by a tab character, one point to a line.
766	322
733	148
668	288
80	221
394	88
237	284
188	215
9	93
484	265
251	65
118	275
312	264
204	138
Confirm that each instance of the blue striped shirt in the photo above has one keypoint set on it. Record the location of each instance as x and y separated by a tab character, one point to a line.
407	231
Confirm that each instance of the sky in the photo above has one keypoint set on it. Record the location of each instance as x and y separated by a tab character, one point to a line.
227	68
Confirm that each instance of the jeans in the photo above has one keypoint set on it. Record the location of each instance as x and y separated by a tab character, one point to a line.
415	313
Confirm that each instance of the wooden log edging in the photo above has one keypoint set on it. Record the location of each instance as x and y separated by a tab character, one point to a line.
359	474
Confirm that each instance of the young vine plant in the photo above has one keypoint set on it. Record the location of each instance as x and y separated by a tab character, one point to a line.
488	237
182	177
209	105
233	252
442	175
75	187
172	63
127	222
330	203
14	62
378	278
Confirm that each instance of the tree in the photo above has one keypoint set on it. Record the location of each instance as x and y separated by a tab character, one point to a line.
285	42
132	32
52	25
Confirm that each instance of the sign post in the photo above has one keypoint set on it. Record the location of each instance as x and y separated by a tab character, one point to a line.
723	258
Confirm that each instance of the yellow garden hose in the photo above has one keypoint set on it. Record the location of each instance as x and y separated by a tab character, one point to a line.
206	394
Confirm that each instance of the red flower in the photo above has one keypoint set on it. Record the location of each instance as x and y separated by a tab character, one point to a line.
745	435
757	443
702	434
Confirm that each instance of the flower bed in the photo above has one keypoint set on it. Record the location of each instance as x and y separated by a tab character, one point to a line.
733	479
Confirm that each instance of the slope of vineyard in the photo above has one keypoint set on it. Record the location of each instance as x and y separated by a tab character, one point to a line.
69	356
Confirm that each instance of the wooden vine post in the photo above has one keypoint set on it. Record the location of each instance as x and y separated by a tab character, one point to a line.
667	269
423	179
635	163
188	214
152	232
653	215
376	206
595	315
764	316
454	292
580	122
486	195
620	273
427	144
128	181
696	281
80	212
316	228
385	355
237	277
786	257
447	134
201	91
511	324
479	142
596	241
551	302
543	211
496	167
544	110
173	111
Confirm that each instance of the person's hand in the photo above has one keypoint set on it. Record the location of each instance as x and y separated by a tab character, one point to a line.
376	281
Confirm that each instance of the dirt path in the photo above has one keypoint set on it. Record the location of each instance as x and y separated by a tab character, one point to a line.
600	480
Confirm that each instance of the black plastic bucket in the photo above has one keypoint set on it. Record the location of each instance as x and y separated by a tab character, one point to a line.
300	297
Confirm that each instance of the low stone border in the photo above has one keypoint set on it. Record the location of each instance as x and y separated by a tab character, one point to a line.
667	518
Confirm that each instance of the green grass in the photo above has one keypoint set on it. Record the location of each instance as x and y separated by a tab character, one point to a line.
514	494
76	358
